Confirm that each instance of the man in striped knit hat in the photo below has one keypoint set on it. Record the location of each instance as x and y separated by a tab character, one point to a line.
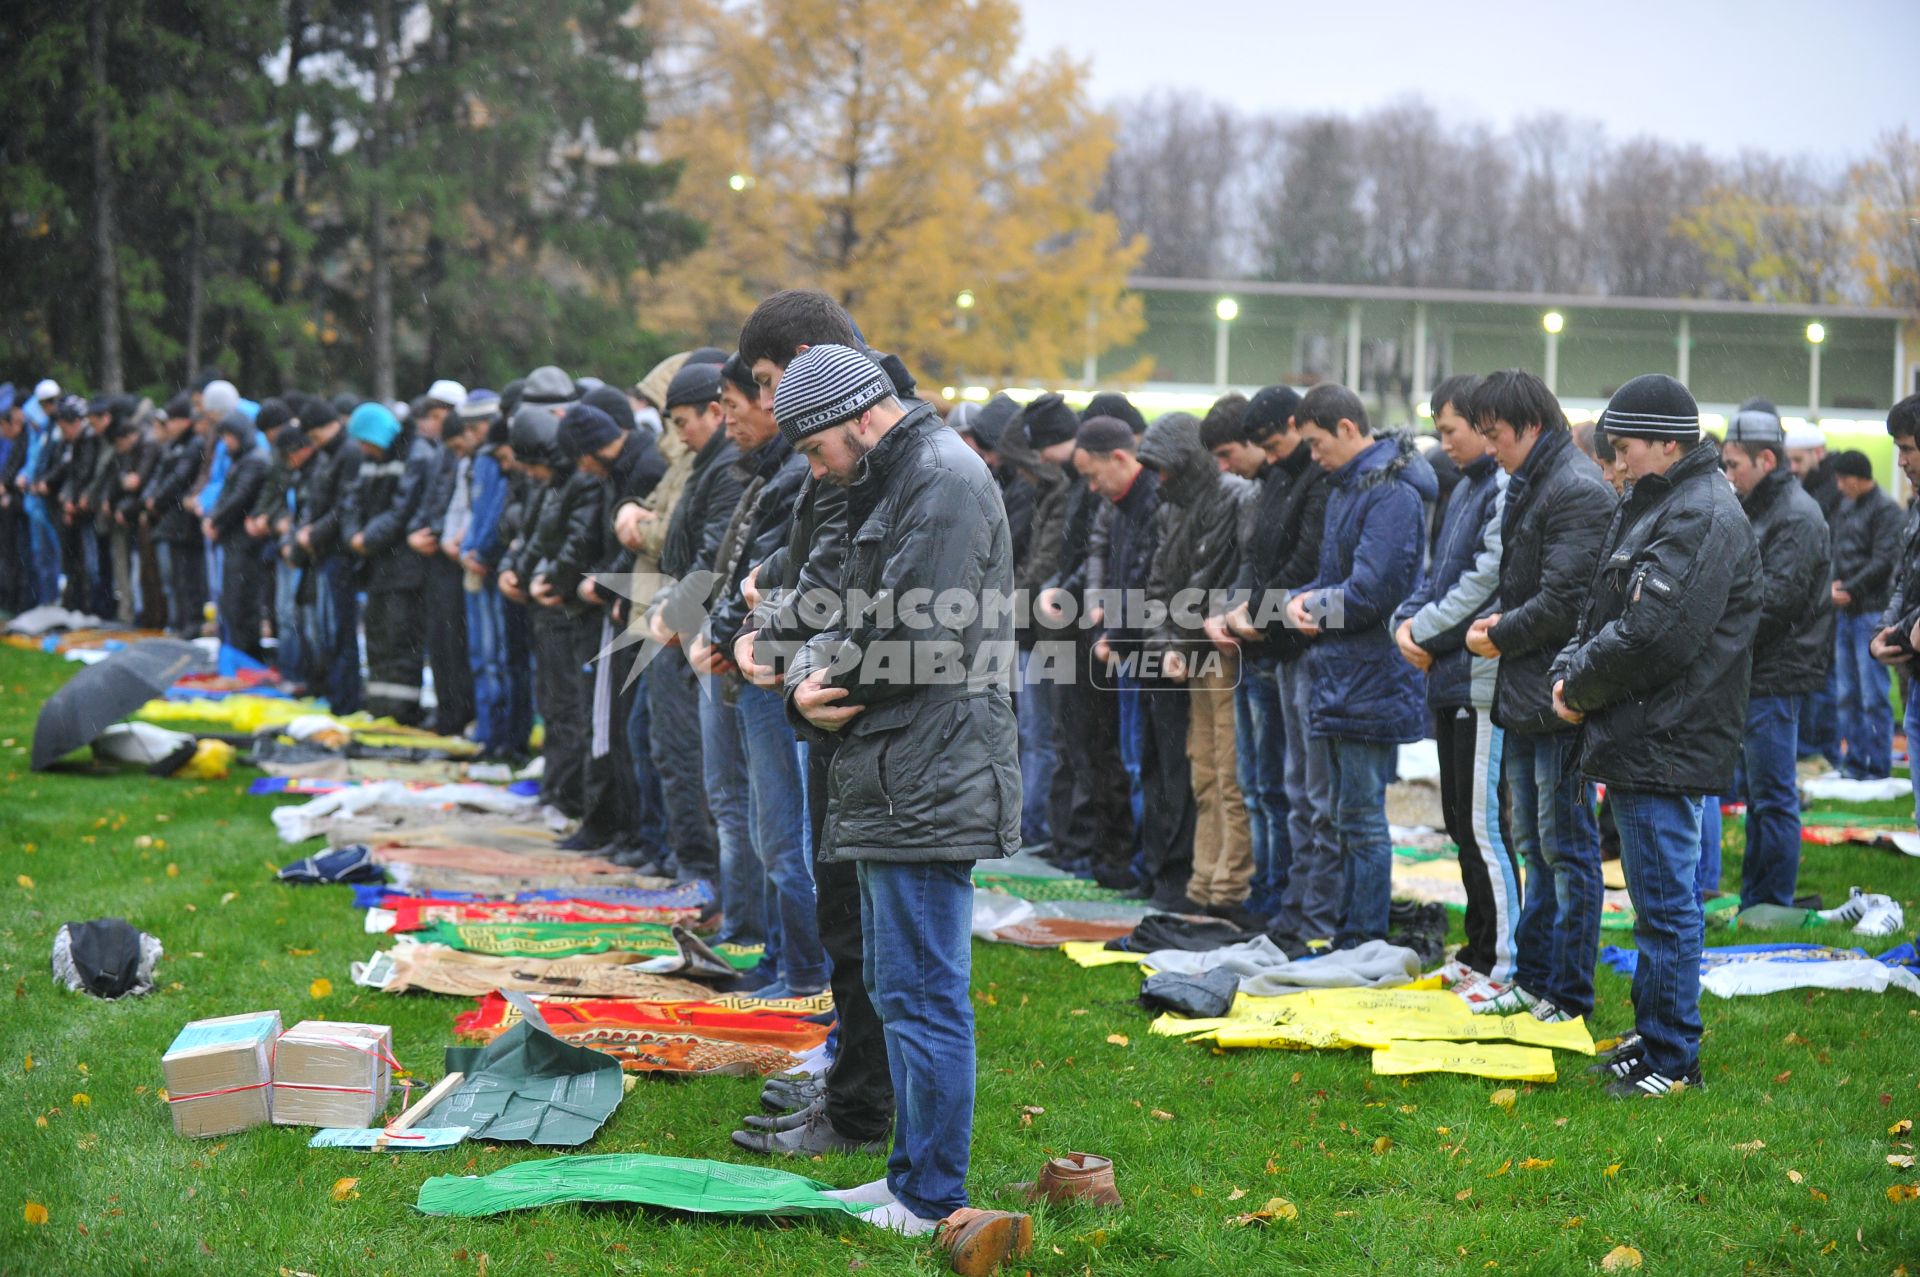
1658	674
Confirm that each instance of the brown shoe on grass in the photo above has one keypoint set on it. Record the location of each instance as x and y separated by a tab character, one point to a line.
1077	1177
977	1242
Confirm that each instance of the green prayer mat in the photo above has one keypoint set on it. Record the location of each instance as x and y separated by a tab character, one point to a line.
1043	888
567	939
1853	818
676	1183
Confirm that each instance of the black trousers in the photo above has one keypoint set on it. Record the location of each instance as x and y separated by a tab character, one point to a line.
185	566
244	582
557	693
1090	812
673	706
859	1085
1166	781
446	634
396	651
612	799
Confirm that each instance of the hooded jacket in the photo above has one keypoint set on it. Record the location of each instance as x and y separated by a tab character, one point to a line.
1793	644
386	493
930	770
1460	587
1370	559
245	478
1660	660
1197	540
1866	537
1556	518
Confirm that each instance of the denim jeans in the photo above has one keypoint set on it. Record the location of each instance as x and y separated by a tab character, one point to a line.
1310	905
742	881
290	650
1772	860
487	658
1361	770
650	804
1035	706
777	781
334	629
1553	830
1707	879
1262	762
1862	705
919	956
43	551
1133	729
1820	721
1660	850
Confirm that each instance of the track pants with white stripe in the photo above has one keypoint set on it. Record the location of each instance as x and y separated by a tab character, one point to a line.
1470	748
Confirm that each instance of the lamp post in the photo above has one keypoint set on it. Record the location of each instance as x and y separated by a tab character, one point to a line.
1225	311
1553	321
740	182
1816	337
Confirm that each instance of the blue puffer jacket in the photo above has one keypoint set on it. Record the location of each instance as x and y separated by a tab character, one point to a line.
1370	560
1459	586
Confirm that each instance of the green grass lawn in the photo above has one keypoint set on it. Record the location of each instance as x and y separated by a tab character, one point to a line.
1389	1176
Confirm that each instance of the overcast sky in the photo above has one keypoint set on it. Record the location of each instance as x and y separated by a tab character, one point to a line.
1782	75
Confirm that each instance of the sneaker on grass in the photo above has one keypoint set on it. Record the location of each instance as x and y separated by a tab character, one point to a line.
1853	910
1490	997
1883	917
1622	1058
1547	1013
1643	1083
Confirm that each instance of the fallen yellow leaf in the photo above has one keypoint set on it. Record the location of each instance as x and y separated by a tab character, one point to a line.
1504	1168
1902	1127
1463	1195
1794	1039
25	881
82	1100
1750	1147
343	1188
29	1067
1236	1194
1574	1221
1897	1193
1117	1039
1276	1208
1795	1176
1902	1160
320	988
1620	1259
1382	1144
1504	1098
173	870
1536	1164
35	1213
1612	1171
1160	1114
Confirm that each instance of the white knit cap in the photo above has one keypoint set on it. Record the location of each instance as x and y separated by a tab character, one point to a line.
219	399
447	391
47	389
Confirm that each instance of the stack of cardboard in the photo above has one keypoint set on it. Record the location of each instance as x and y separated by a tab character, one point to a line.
332	1073
218	1073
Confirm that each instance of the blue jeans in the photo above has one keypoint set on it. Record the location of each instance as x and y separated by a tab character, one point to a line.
742	882
1708	878
1862	704
1133	736
919	955
335	629
1035	705
650	804
1361	770
1553	830
43	551
1310	908
1660	851
1820	721
1261	760
777	782
290	650
1772	860
487	658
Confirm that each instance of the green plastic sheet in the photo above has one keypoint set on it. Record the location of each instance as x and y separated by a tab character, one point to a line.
675	1183
530	1086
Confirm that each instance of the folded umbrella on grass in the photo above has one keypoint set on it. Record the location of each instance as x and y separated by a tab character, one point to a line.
101	695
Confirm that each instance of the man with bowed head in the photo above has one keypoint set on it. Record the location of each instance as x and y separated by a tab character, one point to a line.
926	778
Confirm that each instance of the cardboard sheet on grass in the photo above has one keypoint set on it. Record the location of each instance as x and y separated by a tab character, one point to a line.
530	1086
434	968
673	1183
1448	1036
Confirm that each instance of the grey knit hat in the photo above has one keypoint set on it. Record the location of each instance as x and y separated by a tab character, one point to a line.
824	386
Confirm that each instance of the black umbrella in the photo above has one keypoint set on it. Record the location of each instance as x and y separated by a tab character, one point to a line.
104	693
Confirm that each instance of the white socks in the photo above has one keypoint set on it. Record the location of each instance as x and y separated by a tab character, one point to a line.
872	1194
896	1218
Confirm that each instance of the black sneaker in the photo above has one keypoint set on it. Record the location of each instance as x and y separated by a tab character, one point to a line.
1622	1060
1643	1083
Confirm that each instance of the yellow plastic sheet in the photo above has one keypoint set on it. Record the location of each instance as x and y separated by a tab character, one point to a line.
1331	1019
248	715
1509	1063
1092	953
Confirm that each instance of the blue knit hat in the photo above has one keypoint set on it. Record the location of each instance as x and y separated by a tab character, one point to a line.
825	386
374	423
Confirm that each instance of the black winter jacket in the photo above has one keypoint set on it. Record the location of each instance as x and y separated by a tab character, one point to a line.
1660	661
325	480
1556	519
580	518
386	494
700	519
1284	553
930	770
773	475
1197	541
1793	644
807	567
245	477
1866	540
167	488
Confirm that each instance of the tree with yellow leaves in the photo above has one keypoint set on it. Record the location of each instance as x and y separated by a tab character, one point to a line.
1886	192
894	154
